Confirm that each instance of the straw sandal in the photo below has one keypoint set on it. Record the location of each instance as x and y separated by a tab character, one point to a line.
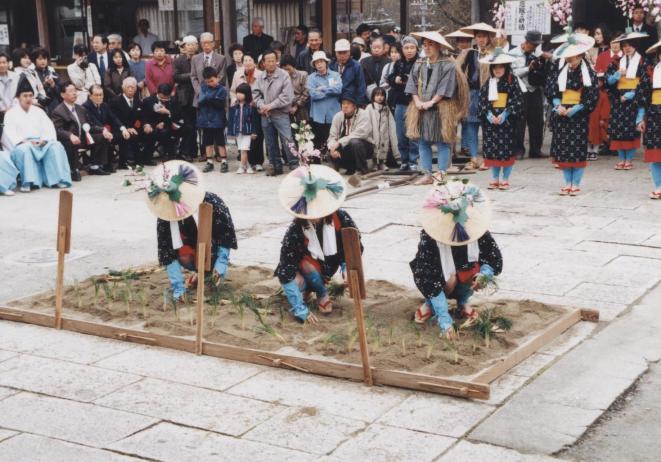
655	195
504	186
425	180
470	166
565	191
494	185
627	166
575	191
326	308
619	166
422	314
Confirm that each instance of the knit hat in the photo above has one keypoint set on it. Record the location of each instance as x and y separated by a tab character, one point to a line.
175	190
312	192
409	40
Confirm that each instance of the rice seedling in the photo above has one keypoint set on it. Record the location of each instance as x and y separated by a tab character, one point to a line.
249	302
97	288
352	336
404	346
127	301
78	295
142	297
106	291
490	323
336	289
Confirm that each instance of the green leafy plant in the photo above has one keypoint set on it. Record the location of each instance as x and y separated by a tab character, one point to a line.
336	289
490	323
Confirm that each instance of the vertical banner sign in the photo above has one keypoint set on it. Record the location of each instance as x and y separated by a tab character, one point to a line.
216	10
522	16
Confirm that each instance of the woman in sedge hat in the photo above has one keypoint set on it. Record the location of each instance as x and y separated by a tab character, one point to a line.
500	105
312	249
174	194
652	125
574	93
627	84
456	254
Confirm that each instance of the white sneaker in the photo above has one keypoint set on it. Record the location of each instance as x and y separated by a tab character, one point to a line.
249	170
9	192
25	189
259	168
241	170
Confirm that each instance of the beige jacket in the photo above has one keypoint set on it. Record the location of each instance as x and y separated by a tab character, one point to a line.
238	79
361	128
384	131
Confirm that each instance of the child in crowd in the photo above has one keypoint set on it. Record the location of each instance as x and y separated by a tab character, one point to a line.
211	118
242	126
384	131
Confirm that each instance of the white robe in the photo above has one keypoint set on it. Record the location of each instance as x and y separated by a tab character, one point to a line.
21	125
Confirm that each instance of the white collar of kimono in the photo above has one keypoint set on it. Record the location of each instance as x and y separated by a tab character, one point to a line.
630	65
329	241
177	242
447	260
656	80
585	74
493	89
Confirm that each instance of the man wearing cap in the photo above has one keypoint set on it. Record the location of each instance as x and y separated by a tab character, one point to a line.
315	44
74	132
353	79
30	138
350	141
163	122
186	94
529	67
207	58
373	65
360	43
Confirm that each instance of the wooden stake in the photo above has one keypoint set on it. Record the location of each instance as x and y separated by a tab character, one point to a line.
63	247
360	324
201	254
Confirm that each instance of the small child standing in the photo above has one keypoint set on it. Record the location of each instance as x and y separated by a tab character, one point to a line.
384	130
211	118
241	125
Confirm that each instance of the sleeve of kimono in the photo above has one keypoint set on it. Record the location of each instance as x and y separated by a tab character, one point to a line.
412	82
590	95
291	254
166	253
515	99
643	91
490	253
222	229
447	87
612	90
426	267
483	106
551	80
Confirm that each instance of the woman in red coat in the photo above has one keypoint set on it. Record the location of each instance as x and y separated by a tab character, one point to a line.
598	125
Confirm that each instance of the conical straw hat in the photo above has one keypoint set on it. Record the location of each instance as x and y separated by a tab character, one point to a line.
312	192
176	190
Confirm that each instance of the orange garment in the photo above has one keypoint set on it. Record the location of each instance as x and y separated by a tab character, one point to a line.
598	124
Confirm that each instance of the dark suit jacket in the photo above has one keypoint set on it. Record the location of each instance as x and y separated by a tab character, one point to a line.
100	117
66	124
128	117
255	46
218	61
372	69
648	42
94	58
152	118
182	77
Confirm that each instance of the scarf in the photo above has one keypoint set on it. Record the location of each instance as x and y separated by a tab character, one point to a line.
329	241
177	242
447	261
656	80
630	65
493	89
250	76
585	74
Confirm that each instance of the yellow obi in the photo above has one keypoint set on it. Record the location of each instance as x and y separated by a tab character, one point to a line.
501	102
656	97
571	97
628	84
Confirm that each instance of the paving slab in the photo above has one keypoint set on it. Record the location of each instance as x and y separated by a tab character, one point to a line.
338	397
5	355
171	443
182	367
440	415
306	429
6	434
192	406
25	338
572	337
504	387
34	448
607	292
465	451
384	443
6	392
533	365
67	420
80	348
60	378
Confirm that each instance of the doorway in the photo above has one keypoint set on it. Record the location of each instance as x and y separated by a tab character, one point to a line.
595	12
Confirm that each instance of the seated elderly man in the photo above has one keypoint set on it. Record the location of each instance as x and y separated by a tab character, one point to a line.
30	138
163	122
350	141
103	123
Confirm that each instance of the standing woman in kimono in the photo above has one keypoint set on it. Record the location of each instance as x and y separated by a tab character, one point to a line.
652	126
574	94
500	105
627	83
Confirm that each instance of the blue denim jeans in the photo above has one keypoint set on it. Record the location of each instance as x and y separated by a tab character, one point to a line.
655	170
408	148
469	137
626	155
274	127
424	147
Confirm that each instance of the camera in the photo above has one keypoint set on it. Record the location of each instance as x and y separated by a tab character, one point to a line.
84	63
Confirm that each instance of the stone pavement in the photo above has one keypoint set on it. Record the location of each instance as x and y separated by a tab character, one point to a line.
65	396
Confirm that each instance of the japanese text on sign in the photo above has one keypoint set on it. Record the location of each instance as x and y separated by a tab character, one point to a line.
522	16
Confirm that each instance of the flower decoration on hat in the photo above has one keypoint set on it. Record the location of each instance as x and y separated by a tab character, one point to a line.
455	198
171	184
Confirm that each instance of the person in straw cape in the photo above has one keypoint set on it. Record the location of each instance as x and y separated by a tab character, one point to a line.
312	249
456	254
175	191
439	93
627	83
500	106
652	126
574	94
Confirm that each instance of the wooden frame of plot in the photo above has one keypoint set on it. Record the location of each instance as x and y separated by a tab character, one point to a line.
478	387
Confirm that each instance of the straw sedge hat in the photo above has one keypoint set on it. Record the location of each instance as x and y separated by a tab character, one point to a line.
630	35
176	190
499	56
455	213
479	27
434	36
312	192
653	48
576	44
460	34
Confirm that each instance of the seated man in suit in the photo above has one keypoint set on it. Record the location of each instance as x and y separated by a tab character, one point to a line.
103	123
73	131
163	122
127	107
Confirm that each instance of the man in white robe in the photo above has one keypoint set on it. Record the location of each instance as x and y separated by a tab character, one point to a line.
29	137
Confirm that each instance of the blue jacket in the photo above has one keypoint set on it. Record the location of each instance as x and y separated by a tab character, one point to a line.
236	126
324	93
353	80
211	107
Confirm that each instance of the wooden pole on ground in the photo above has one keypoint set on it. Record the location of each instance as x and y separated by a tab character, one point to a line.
203	264
354	262
63	247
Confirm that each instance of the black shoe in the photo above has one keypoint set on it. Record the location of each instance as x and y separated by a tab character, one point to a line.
110	168
208	168
274	172
75	175
224	168
149	163
98	171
